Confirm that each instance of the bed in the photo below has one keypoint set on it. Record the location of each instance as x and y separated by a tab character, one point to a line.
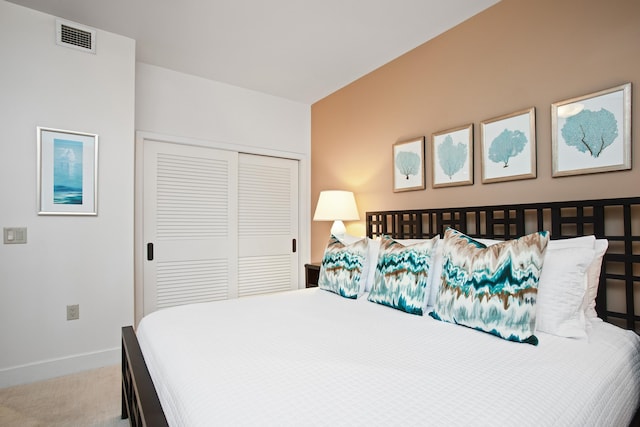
313	357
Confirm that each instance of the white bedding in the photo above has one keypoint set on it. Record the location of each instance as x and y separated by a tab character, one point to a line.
310	357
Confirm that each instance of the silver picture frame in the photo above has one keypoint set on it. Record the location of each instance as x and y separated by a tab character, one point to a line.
67	181
508	145
452	157
408	165
592	133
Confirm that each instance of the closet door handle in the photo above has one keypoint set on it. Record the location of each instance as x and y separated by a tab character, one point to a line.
149	251
293	245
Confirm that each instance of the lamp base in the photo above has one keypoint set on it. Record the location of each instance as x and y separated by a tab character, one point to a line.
338	229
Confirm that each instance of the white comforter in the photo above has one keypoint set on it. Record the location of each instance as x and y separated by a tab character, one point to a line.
310	357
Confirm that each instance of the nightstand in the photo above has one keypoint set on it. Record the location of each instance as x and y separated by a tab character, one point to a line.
311	274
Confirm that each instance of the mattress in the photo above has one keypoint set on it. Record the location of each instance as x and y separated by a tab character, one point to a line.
310	357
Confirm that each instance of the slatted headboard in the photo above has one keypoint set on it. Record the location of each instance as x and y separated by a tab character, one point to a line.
617	220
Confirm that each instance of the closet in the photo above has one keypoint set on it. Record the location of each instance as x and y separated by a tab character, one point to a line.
216	224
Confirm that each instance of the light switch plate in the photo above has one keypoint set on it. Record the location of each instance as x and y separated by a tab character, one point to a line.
14	235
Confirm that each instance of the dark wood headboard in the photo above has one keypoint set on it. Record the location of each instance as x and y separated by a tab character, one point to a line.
617	220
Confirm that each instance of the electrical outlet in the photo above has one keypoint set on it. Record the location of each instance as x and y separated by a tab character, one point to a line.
73	312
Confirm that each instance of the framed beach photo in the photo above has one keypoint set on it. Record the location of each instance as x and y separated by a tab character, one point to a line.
67	172
592	133
452	157
408	165
509	147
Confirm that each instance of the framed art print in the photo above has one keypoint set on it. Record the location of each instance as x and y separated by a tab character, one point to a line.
509	147
67	172
452	157
408	165
592	133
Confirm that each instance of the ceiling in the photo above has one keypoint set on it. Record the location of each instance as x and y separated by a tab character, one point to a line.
302	50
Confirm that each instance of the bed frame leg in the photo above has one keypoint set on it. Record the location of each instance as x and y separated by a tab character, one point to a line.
125	413
140	401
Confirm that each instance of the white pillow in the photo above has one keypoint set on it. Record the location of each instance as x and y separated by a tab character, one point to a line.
561	291
435	275
374	251
593	275
348	239
574	242
593	272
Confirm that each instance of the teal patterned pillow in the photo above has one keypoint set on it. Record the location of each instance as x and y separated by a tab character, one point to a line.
342	268
401	274
492	289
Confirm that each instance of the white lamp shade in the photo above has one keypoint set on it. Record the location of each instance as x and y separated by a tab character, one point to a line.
336	205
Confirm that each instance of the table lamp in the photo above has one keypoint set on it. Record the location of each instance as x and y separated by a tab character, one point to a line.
336	206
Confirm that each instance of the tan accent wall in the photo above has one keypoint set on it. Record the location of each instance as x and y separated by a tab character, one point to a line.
515	55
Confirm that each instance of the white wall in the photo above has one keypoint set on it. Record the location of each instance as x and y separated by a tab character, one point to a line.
173	106
67	260
182	105
89	260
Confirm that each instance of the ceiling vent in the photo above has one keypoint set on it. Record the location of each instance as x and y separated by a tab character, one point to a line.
70	34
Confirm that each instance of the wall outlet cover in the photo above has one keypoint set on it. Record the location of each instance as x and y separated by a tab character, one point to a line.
73	312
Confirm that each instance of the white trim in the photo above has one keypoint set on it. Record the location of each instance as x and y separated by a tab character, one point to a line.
220	145
46	369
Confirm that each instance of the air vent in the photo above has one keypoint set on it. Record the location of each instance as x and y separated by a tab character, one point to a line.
70	34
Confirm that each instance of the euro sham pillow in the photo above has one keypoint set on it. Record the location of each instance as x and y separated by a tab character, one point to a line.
561	291
372	261
593	274
491	289
342	270
435	274
599	247
402	274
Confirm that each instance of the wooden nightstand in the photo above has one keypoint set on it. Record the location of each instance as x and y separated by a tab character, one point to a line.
311	274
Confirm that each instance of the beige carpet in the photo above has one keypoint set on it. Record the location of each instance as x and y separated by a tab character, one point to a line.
86	399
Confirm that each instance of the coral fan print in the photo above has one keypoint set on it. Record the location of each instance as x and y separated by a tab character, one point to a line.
592	133
452	157
408	165
509	147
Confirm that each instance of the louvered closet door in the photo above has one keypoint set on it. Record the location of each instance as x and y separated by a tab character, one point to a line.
267	224
190	218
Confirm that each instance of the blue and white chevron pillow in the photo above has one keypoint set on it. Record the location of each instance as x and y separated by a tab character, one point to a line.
343	267
492	289
402	274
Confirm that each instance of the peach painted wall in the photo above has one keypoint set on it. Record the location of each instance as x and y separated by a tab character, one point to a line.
515	55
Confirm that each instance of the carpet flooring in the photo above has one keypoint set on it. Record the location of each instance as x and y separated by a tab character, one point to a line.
86	399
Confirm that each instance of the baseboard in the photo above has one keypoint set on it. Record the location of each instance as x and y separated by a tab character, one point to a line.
47	369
